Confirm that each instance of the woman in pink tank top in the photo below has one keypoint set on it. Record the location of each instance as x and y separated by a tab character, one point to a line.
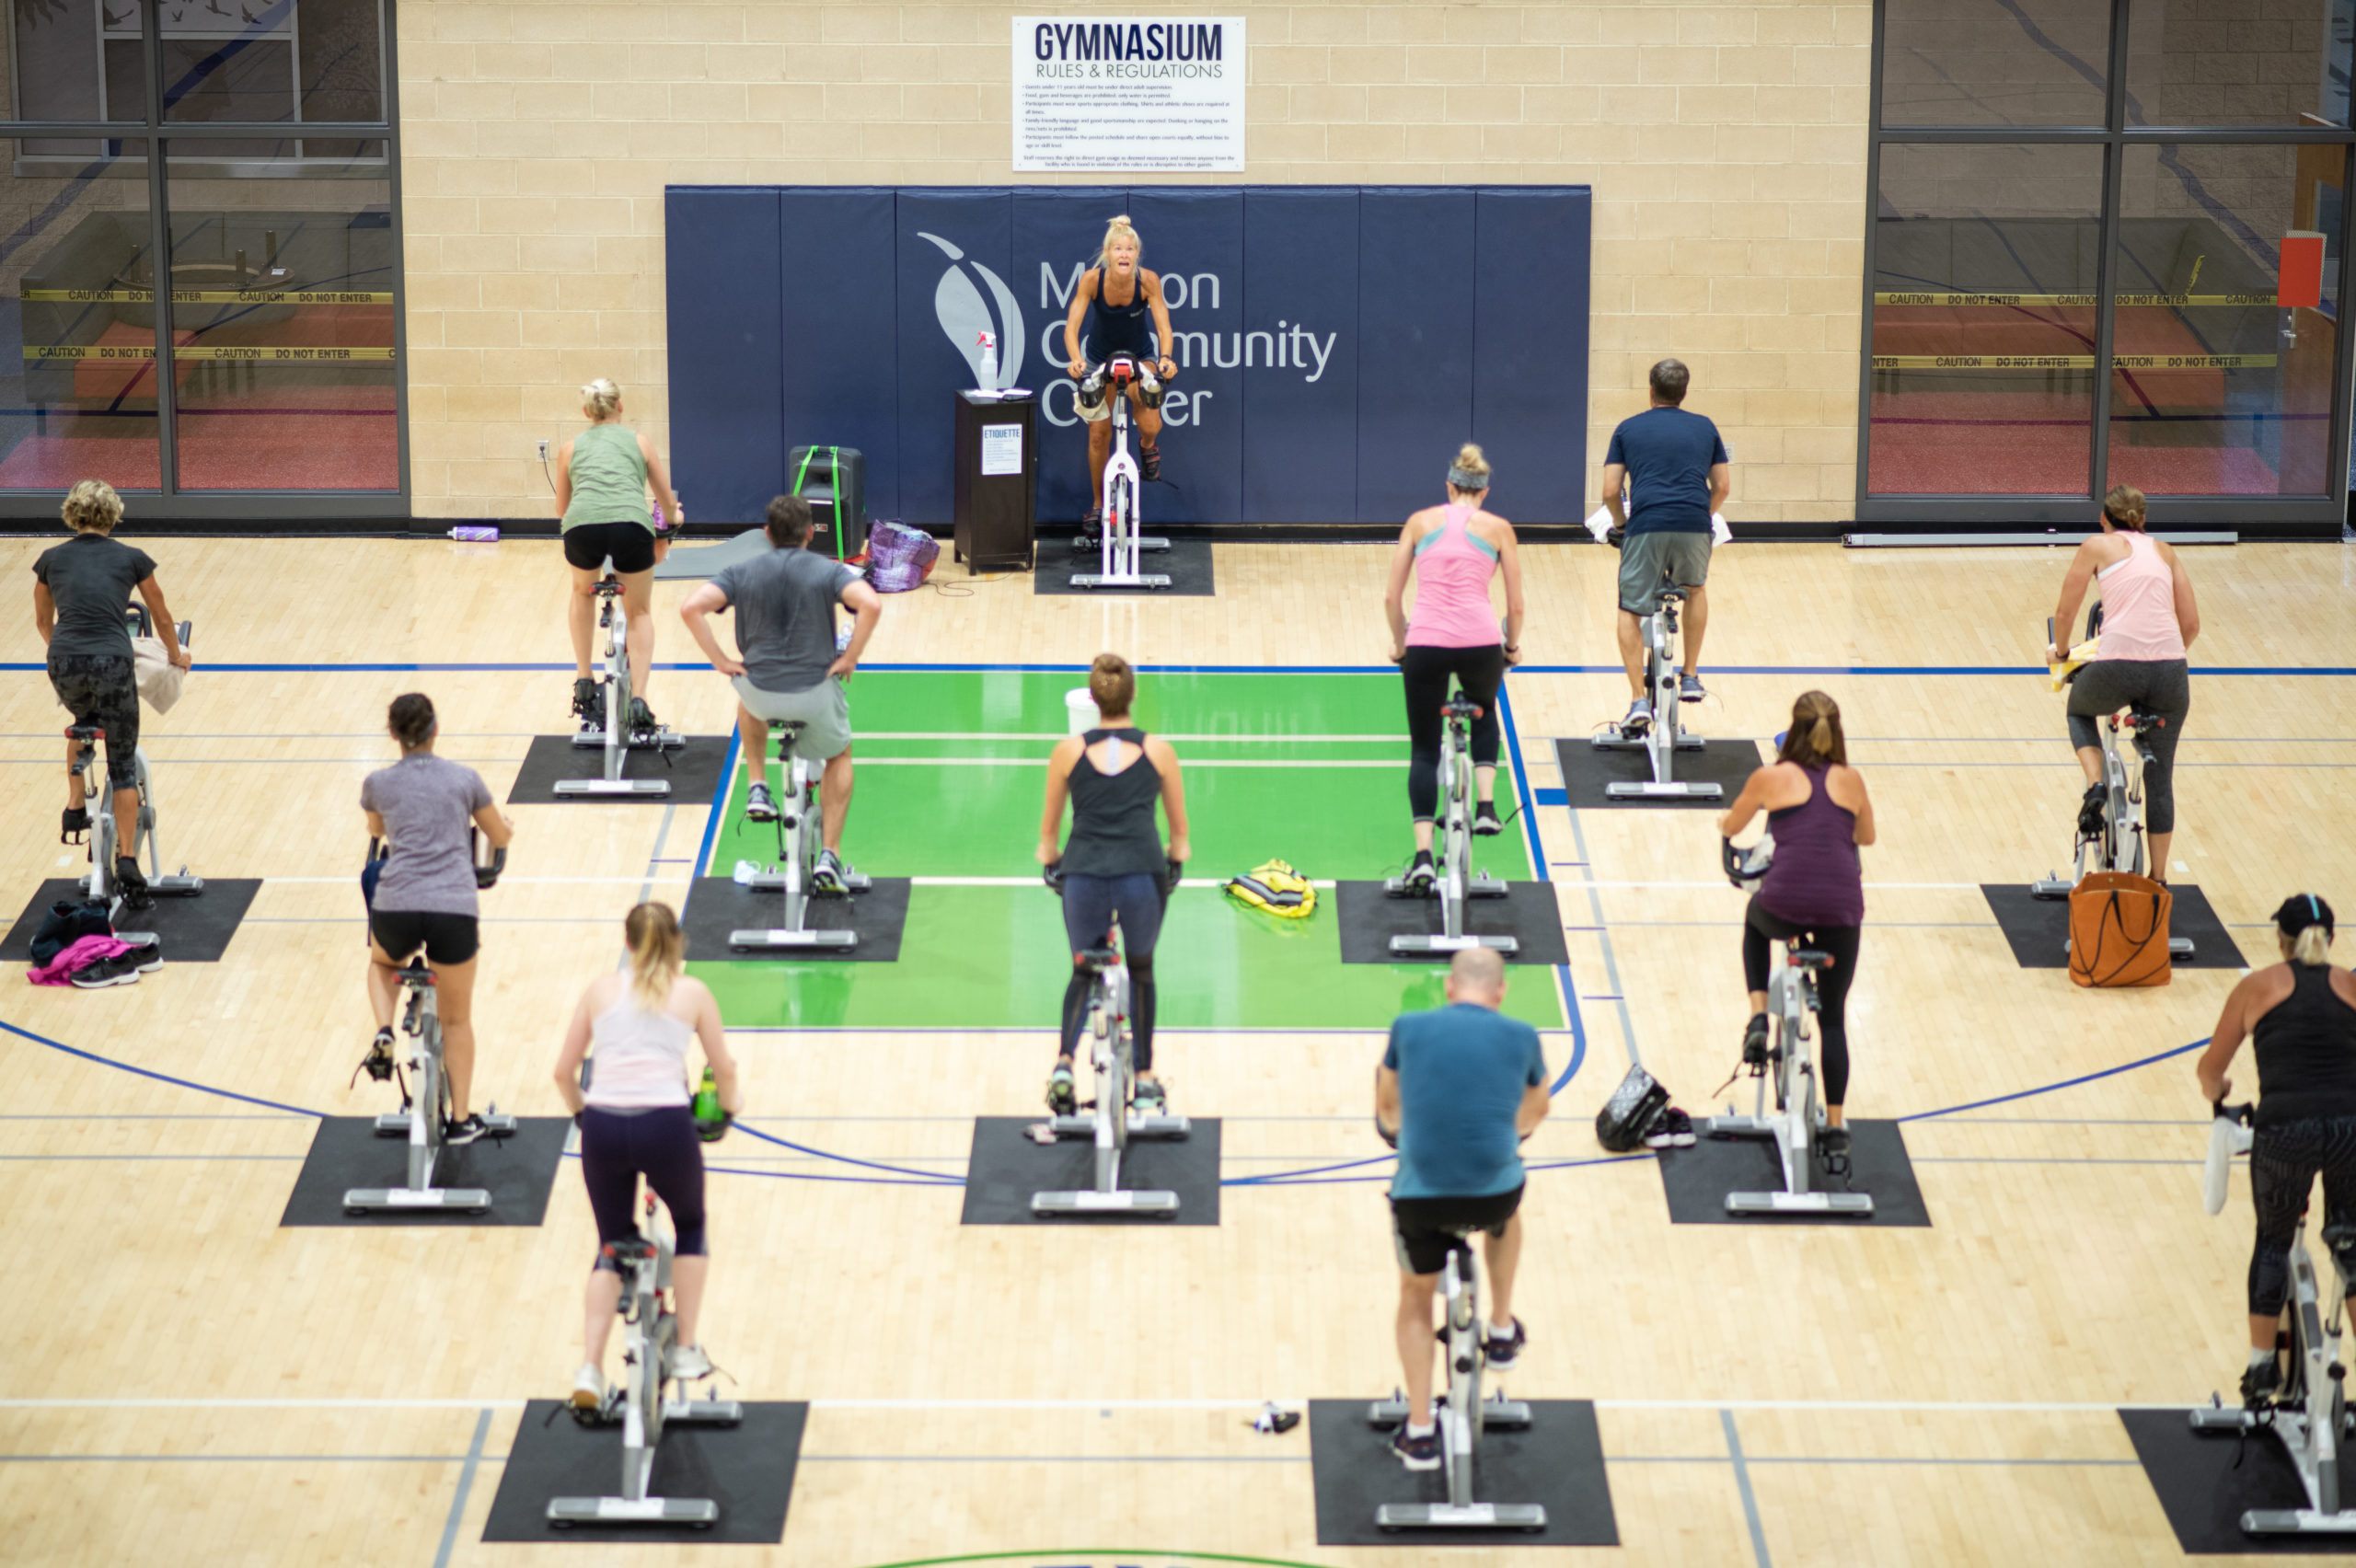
2148	620
1453	551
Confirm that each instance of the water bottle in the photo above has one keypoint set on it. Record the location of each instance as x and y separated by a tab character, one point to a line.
710	1119
989	363
474	534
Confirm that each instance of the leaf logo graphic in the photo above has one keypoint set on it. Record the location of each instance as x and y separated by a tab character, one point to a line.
965	315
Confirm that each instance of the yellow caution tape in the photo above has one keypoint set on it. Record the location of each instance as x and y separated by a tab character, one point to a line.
113	351
2070	362
2175	300
204	296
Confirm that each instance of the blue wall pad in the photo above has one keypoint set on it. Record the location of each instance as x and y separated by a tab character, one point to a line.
1335	343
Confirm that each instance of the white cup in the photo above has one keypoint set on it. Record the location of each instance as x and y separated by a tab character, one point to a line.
1080	711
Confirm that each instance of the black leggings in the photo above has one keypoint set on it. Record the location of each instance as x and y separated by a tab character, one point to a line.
616	1146
2284	1161
1759	928
2155	685
1481	671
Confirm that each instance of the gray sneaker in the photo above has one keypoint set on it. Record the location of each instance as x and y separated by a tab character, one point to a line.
827	875
1689	689
1639	721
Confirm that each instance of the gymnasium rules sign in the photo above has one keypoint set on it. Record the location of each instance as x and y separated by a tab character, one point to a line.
1128	94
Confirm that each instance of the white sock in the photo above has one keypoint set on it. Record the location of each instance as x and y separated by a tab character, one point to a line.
1501	1331
2261	1358
1425	1430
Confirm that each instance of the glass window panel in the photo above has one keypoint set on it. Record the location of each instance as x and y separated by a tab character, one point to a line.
242	79
2230	62
1994	61
2216	389
54	61
1983	320
77	327
340	50
283	332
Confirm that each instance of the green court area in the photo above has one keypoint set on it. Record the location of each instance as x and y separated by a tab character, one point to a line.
951	770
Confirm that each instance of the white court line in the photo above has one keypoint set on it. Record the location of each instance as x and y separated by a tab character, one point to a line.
1925	1407
1033	882
1184	762
504	880
1059	736
1721	881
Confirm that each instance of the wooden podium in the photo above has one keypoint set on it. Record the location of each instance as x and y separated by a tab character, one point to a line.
997	465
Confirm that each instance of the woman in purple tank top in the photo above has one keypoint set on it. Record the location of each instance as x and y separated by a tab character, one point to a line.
1816	808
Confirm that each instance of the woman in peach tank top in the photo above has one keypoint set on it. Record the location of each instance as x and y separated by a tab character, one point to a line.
2149	620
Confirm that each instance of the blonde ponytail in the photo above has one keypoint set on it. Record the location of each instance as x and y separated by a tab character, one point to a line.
601	399
657	952
1470	472
2312	948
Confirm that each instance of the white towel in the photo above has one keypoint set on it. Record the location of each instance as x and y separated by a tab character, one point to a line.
1719	533
158	678
1600	523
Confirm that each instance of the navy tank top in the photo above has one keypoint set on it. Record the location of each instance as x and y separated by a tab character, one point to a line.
2306	1052
1112	831
1814	879
1118	328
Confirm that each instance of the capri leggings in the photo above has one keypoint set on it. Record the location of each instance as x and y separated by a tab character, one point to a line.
102	689
2284	1160
1090	904
1481	671
618	1145
1759	928
2155	685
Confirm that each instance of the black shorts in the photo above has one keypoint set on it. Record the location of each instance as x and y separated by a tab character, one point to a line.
631	544
447	938
1424	1229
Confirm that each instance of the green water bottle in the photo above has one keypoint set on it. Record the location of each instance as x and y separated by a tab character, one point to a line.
710	1119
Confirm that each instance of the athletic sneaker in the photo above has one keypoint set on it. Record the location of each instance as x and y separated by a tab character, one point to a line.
380	1060
641	718
1639	721
1421	872
77	823
2090	811
588	1387
1671	1129
1149	462
1147	1098
1689	689
1754	1042
1093	521
132	883
120	970
827	875
584	697
1484	819
758	807
1062	1100
147	957
1417	1453
686	1362
464	1132
2261	1383
1832	1148
1504	1354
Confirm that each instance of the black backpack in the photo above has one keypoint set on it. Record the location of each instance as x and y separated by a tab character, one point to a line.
1629	1114
67	922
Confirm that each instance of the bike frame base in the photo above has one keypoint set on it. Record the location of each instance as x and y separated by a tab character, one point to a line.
2290	1428
1852	1205
2051	887
1471	1517
1673	790
1140	579
663	739
702	1513
409	1200
612	787
1454	944
1125	1200
781	939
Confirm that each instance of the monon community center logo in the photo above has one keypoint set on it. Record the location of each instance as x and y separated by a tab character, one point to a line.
1175	50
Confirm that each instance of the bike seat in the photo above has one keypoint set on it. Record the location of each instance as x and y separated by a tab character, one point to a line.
2339	1236
1096	960
417	975
2146	721
630	1250
788	726
1673	595
608	586
1460	708
83	733
1803	960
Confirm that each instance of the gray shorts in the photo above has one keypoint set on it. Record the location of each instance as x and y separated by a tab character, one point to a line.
1643	557
823	710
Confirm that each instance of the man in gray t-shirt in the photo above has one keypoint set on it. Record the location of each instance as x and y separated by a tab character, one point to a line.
788	666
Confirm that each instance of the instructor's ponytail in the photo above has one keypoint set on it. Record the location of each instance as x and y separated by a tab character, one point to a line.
1815	738
657	949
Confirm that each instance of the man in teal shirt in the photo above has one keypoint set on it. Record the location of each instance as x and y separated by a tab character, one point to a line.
1459	1088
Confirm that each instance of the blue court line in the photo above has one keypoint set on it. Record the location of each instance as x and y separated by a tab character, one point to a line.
1568	991
2065	1083
719	801
160	1078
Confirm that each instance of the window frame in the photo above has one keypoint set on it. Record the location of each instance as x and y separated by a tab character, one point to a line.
2321	514
169	503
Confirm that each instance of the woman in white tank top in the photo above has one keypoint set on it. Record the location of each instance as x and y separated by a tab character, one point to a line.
635	1121
2149	620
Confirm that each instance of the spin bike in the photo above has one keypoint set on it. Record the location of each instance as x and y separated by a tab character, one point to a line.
1662	738
1457	880
1110	1121
2119	843
643	1406
2308	1414
425	1099
1463	1415
1798	1118
615	732
1120	542
105	839
797	850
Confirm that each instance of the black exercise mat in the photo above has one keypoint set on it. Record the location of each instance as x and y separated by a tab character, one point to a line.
689	563
1187	564
517	1171
1369	918
1557	1463
746	1468
1697	1179
192	930
1006	1168
693	773
2204	1495
716	905
2039	929
1586	772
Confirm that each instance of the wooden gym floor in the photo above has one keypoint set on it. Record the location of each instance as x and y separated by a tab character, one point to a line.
188	1382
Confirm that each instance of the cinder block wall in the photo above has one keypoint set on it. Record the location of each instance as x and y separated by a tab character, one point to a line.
1726	145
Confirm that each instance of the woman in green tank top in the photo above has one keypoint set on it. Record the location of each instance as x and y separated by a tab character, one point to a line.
602	478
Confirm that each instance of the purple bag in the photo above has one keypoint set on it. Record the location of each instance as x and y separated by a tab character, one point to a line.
899	557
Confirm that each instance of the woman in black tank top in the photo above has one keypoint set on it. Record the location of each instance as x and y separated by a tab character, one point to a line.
2300	1017
1117	325
1113	865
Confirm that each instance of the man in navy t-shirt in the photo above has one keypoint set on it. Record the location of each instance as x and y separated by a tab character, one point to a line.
1676	469
1459	1088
